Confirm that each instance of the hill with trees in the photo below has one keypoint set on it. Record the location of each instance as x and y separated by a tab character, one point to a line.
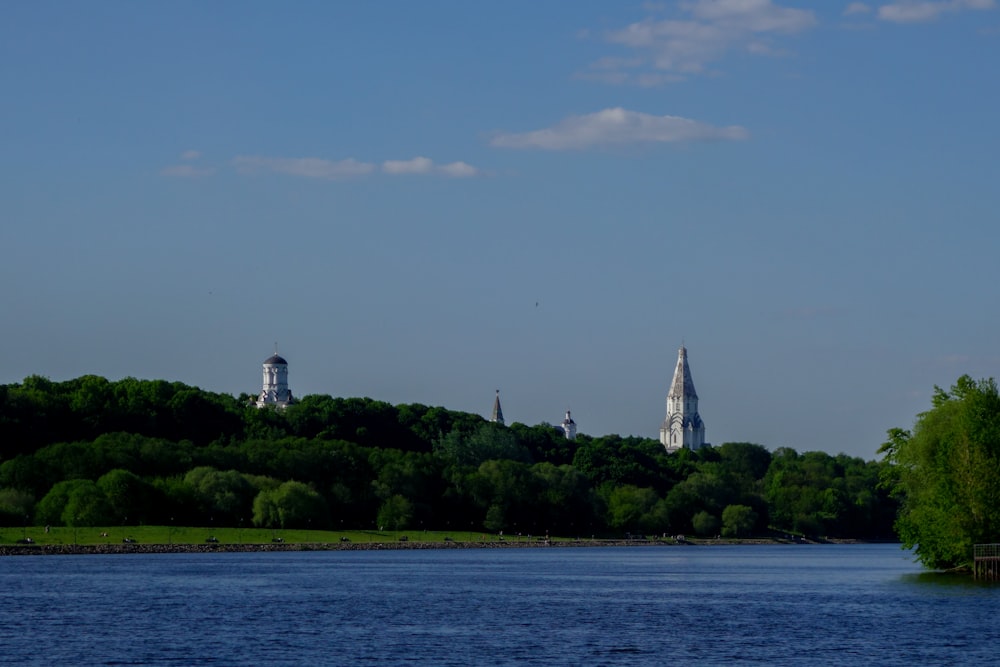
93	452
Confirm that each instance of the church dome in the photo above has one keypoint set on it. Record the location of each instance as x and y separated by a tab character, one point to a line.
275	359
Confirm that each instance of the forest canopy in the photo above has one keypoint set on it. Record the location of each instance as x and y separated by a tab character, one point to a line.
90	451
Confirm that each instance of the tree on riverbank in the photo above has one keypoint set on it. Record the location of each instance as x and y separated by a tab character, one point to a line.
946	471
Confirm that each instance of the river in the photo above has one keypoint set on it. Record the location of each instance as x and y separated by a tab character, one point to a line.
775	605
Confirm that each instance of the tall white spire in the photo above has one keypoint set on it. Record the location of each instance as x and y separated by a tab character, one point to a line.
683	426
497	415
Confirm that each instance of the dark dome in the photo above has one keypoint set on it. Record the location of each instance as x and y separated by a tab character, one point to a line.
275	359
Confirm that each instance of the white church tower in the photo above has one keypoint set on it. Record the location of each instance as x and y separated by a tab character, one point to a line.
683	426
569	427
275	391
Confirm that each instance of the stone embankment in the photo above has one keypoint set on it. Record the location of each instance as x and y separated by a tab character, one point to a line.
133	548
208	548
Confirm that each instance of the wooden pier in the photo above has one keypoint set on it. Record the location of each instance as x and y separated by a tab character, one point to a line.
986	561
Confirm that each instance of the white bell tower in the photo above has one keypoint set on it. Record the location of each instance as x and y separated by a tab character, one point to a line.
275	391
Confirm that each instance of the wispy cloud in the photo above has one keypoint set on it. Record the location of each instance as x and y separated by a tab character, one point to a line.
309	167
857	8
704	31
423	165
616	127
186	171
333	170
459	170
418	165
919	11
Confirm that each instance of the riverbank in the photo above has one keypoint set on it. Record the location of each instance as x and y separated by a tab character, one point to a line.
134	548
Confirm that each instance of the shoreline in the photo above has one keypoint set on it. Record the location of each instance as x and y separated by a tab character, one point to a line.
133	548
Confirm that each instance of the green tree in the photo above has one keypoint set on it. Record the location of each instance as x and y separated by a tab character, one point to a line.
265	509
565	501
128	496
738	520
641	462
489	442
495	520
291	505
395	512
224	496
628	504
27	473
508	486
74	502
705	524
744	459
50	508
15	504
300	506
946	471
545	442
818	494
87	506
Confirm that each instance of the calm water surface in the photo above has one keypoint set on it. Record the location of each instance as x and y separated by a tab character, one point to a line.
794	605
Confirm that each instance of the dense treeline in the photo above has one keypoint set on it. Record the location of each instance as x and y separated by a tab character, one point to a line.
94	452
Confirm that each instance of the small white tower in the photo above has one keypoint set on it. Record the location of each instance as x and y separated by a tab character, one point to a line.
275	391
683	426
569	427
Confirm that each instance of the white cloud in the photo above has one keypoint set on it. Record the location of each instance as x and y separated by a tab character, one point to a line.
615	127
458	170
611	63
186	171
751	15
705	32
764	49
418	165
310	167
423	165
676	46
916	11
330	170
655	79
857	8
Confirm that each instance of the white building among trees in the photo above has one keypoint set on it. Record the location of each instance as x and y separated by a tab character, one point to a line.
683	426
275	391
569	427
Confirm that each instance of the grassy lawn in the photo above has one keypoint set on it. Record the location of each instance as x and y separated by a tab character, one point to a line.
188	535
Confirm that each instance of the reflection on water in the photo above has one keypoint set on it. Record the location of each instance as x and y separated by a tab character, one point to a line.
950	580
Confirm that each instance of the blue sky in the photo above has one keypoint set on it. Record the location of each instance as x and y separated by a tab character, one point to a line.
424	202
